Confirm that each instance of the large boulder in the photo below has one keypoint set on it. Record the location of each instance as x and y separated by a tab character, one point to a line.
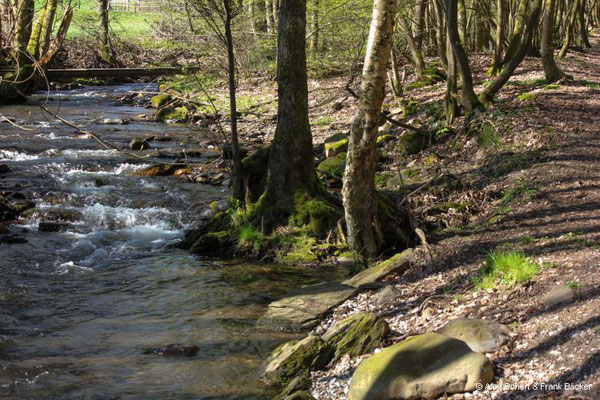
557	295
334	148
424	366
333	166
412	142
302	309
296	358
358	334
482	336
394	265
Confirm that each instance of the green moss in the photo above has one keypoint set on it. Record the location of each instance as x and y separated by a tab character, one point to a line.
526	96
520	190
334	148
296	359
251	240
358	334
160	100
173	113
552	87
212	243
385	138
333	166
410	109
315	214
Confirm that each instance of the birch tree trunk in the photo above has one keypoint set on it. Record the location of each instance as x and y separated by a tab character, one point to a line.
358	191
314	37
269	15
500	35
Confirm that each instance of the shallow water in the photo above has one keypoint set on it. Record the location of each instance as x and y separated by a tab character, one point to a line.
78	308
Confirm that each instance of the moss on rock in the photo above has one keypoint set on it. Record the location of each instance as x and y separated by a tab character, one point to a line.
173	113
314	213
358	334
160	100
412	142
333	166
334	148
296	359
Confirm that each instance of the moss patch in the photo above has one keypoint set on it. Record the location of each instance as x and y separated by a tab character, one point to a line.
335	148
160	100
333	166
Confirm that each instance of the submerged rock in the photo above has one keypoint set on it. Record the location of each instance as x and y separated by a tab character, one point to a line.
174	350
301	309
114	121
424	366
394	265
4	168
296	358
358	334
47	226
159	170
482	336
138	143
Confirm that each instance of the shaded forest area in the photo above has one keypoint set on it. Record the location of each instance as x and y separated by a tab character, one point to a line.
443	152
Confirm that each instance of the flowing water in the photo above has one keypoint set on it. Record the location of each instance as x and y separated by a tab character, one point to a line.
78	308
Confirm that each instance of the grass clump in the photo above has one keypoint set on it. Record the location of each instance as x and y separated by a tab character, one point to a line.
552	87
505	268
573	285
527	239
521	190
489	137
526	96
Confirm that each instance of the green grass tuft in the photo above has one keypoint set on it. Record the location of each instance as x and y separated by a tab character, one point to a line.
505	268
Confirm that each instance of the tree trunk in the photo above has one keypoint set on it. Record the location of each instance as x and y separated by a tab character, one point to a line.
551	70
517	35
106	53
419	23
47	26
462	22
314	38
359	178
275	14
237	187
269	15
397	84
34	40
252	17
569	29
415	52
500	36
291	154
23	11
583	39
490	91
468	98
450	100
441	34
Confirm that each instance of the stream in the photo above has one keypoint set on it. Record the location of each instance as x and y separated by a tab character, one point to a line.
78	308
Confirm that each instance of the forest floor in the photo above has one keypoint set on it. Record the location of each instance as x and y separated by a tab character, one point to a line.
536	191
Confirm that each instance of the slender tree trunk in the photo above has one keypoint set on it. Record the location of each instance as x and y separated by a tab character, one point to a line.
48	25
23	11
269	15
468	98
34	40
397	85
500	37
359	178
252	17
569	29
490	91
415	52
517	35
462	23
551	70
440	33
275	14
106	53
450	100
584	41
237	185
419	23
314	19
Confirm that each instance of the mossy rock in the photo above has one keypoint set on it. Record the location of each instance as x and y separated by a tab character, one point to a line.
333	166
314	213
160	100
173	113
383	139
212	243
297	385
158	170
394	265
412	142
425	366
296	358
300	395
358	334
334	148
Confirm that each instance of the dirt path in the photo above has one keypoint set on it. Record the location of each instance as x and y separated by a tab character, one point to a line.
553	151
